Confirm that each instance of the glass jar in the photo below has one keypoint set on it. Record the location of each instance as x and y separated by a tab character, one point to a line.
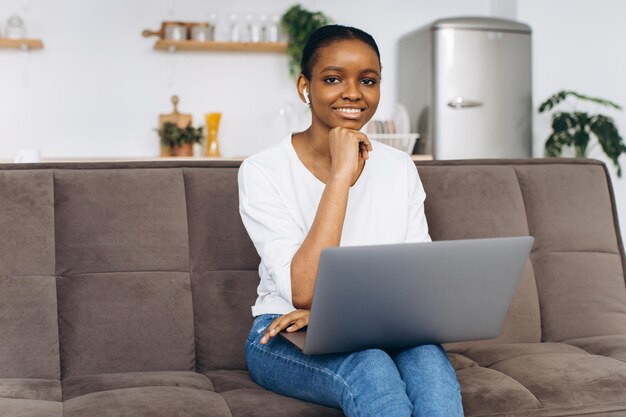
272	31
235	29
175	32
200	32
15	28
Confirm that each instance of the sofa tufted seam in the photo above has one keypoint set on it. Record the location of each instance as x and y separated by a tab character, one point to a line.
537	353
56	280
607	407
618	232
142	386
594	354
516	381
153	270
543	252
530	260
193	310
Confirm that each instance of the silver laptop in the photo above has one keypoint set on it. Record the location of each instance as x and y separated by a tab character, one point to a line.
408	294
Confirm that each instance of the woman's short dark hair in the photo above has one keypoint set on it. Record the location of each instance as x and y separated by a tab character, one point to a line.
327	35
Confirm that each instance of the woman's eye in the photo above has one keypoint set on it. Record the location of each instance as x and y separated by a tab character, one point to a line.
369	81
332	80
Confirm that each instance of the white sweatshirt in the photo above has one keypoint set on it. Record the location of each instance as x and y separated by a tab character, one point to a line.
278	200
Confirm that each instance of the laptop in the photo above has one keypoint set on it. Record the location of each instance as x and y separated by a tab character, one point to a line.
401	295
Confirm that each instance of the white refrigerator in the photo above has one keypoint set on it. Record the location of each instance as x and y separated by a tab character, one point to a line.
466	83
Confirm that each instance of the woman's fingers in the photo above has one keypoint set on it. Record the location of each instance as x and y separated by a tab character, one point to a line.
363	152
297	325
364	140
280	323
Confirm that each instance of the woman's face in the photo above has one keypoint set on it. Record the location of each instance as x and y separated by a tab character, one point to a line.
345	85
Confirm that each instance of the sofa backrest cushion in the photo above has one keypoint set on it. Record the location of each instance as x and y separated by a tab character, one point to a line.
578	256
124	292
29	342
480	201
224	268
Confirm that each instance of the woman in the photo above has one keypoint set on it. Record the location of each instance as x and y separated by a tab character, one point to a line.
320	188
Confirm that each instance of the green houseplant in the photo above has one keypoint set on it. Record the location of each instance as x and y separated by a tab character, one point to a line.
299	23
575	128
180	140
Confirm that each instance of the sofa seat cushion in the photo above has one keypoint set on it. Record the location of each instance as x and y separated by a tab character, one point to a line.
246	402
13	407
613	346
246	398
227	380
82	385
540	379
30	389
150	401
487	391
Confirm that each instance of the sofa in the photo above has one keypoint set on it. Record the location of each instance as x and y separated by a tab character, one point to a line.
125	290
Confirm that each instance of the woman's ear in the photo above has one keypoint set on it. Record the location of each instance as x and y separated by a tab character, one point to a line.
303	89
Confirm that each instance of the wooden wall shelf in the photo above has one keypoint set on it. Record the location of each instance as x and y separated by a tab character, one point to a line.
277	47
17	43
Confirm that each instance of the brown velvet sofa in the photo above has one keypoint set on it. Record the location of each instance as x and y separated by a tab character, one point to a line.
125	290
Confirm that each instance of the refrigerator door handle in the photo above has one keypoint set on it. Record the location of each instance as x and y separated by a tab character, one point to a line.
461	103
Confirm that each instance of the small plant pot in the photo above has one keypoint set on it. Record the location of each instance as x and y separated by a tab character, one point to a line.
182	150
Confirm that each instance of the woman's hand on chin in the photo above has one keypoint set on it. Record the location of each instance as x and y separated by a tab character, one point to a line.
347	148
293	321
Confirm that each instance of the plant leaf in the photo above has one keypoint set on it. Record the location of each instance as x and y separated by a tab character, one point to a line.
560	96
612	143
553	147
299	23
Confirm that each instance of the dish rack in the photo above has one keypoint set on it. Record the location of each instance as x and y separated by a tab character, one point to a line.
395	132
403	141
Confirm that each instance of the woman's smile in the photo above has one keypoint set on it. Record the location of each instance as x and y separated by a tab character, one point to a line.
352	113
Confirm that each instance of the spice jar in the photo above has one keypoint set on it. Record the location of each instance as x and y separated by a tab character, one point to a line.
175	32
200	32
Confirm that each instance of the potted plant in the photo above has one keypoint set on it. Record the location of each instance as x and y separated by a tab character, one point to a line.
576	129
299	23
180	140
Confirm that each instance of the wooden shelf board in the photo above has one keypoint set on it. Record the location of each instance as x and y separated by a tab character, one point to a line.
17	43
164	45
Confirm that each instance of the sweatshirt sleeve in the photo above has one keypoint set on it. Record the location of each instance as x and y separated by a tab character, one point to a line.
269	224
417	224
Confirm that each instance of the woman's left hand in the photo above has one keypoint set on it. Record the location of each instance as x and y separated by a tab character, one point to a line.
295	320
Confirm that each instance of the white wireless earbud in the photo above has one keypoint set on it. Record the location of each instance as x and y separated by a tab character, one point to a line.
307	100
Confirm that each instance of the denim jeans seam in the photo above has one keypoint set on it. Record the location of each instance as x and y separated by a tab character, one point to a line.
334	375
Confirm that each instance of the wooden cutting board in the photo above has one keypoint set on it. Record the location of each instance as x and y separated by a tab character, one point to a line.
181	120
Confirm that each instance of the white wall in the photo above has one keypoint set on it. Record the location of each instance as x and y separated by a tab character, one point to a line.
97	88
579	45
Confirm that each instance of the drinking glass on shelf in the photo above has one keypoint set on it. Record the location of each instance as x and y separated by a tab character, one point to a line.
235	29
212	25
263	27
246	33
272	32
15	28
256	30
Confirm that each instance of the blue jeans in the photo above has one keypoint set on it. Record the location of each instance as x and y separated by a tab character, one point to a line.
418	381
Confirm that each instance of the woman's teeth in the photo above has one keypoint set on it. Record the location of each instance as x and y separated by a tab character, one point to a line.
349	110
